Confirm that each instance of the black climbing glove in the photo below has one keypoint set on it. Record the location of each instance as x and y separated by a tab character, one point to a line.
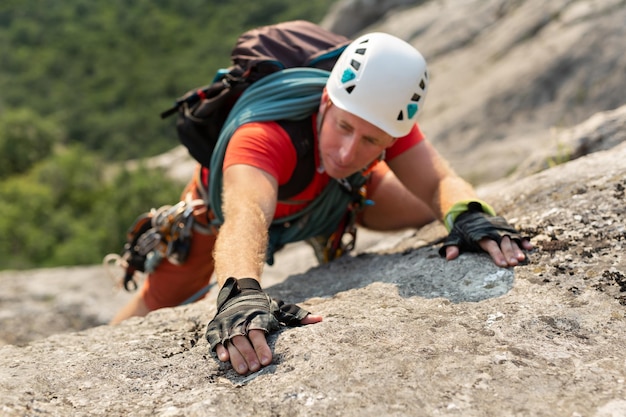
243	306
473	225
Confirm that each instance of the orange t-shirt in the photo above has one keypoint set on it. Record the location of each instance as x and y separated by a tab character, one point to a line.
266	145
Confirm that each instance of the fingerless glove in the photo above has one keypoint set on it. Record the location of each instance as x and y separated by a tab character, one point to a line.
243	306
474	224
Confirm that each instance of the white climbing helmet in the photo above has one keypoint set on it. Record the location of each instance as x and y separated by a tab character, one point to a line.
381	79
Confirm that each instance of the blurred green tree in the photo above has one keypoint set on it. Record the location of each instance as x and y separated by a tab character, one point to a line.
25	139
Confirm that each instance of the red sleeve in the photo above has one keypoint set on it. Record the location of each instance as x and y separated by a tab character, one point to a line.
414	137
264	145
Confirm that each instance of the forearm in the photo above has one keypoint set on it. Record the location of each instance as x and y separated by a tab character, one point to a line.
430	178
241	244
451	189
249	201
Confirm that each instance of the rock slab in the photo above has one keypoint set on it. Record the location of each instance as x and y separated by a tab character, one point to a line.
405	333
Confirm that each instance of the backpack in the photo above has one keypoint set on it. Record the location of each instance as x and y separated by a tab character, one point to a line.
257	53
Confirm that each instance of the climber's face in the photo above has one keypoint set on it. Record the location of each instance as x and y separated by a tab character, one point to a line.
348	143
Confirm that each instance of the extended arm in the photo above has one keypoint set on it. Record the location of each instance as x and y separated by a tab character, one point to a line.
429	177
249	201
245	312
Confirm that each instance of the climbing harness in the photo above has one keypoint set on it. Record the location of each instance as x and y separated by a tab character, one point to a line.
342	241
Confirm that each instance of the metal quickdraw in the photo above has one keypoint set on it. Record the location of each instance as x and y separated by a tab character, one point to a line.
163	233
343	240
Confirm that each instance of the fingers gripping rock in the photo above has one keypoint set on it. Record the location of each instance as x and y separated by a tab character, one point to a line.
473	225
243	306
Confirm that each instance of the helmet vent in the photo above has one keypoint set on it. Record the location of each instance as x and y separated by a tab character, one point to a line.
349	89
400	116
360	51
416	97
355	64
422	85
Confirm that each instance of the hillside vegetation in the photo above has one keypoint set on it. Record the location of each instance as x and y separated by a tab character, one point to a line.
82	85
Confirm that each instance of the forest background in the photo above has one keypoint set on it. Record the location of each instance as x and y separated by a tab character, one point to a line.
82	84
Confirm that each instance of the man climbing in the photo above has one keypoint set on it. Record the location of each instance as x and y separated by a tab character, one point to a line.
366	143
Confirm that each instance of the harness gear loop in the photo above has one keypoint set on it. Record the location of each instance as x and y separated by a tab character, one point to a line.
163	233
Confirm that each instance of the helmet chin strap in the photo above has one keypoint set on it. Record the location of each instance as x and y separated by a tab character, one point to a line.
322	114
320	121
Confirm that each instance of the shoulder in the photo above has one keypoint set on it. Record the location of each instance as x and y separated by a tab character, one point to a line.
404	143
265	145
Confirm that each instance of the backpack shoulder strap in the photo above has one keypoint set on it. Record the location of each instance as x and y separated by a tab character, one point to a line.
302	137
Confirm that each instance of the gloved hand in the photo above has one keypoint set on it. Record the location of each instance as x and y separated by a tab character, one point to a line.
243	306
473	225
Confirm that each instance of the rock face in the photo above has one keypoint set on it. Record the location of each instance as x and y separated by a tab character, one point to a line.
503	72
601	132
363	13
39	303
405	333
